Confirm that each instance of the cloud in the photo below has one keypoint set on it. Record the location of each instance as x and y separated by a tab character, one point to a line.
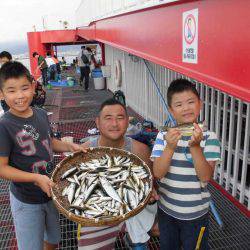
19	17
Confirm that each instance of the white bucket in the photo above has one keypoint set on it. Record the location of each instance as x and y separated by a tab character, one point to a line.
99	83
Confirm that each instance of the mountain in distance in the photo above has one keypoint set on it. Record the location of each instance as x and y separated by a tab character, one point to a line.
15	47
21	47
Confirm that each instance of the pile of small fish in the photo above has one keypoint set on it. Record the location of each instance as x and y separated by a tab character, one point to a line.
106	187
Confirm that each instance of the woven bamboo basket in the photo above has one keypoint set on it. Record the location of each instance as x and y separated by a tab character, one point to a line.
62	203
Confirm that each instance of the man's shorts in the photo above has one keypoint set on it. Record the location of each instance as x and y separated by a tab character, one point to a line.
34	224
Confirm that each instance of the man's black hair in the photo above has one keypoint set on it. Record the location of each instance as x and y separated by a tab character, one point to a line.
13	70
48	53
83	47
178	86
35	54
111	102
6	54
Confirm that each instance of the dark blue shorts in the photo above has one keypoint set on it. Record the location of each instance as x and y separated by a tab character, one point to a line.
175	233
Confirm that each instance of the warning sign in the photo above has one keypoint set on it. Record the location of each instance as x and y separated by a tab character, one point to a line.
190	36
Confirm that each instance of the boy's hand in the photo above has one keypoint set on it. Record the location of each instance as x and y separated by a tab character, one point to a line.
154	196
196	137
172	137
72	147
44	183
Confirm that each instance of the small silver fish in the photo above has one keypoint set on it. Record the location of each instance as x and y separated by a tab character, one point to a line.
69	172
71	192
109	189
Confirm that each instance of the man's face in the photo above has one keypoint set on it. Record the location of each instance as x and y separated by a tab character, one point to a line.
18	94
112	122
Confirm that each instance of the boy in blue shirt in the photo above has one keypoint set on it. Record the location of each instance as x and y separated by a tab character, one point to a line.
26	159
184	164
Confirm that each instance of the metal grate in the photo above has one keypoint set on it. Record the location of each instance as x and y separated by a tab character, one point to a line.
78	130
7	231
83	112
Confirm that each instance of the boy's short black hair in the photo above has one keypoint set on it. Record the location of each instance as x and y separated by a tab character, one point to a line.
35	54
6	54
111	102
178	86
13	70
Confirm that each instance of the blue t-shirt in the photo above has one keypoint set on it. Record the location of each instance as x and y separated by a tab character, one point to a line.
182	194
27	143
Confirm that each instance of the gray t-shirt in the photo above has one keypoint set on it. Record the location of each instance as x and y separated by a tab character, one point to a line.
128	142
27	143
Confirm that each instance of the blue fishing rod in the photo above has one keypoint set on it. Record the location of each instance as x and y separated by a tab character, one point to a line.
170	118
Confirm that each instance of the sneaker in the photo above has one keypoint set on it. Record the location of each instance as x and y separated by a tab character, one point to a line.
134	246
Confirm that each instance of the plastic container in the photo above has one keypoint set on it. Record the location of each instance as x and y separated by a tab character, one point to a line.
96	73
62	83
99	81
70	81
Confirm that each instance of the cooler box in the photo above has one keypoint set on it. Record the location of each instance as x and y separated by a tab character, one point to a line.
62	83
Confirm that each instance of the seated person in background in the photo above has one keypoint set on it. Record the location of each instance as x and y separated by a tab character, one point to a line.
112	123
5	56
63	63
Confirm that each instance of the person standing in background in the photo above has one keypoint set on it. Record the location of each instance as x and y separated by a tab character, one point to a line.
42	65
58	67
84	58
92	58
52	72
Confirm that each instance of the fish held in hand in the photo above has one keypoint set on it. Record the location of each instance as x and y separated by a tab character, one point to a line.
185	129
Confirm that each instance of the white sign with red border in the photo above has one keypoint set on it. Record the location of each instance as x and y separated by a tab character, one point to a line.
190	36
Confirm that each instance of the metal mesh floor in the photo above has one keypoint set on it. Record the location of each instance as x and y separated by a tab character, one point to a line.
73	120
83	112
